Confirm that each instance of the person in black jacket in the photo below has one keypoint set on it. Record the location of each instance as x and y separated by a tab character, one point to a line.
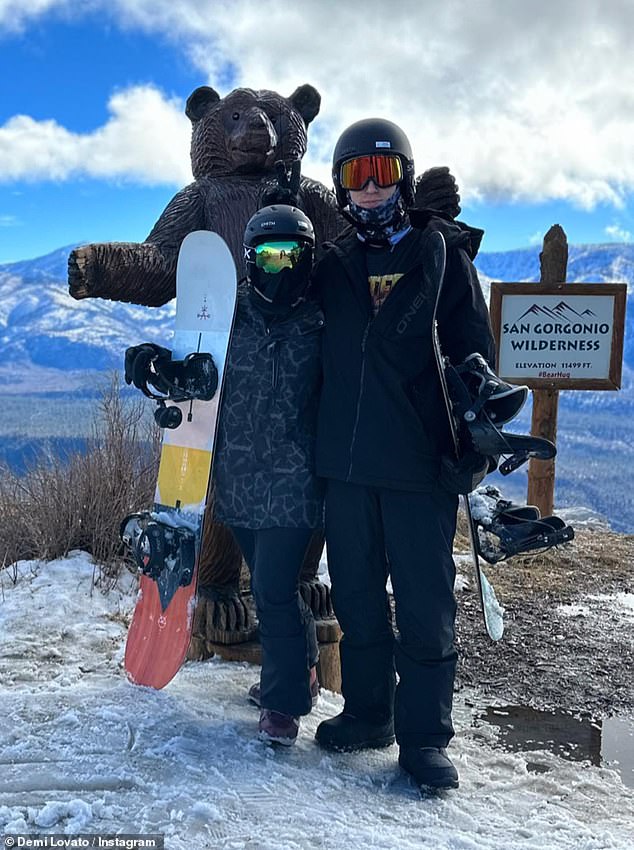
265	488
382	430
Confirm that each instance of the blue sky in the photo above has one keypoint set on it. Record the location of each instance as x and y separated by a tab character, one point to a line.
532	109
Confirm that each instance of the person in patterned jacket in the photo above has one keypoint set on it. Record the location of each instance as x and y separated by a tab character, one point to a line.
265	488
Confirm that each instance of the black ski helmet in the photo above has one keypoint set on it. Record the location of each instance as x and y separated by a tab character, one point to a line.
277	224
373	136
278	221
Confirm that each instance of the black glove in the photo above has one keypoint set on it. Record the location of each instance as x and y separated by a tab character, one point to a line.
463	476
137	363
437	189
286	191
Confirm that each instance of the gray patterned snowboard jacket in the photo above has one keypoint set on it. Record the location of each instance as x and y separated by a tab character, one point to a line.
264	466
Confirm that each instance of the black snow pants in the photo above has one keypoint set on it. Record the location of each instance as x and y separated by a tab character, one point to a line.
286	625
373	534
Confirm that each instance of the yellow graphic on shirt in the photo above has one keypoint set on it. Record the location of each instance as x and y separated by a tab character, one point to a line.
380	287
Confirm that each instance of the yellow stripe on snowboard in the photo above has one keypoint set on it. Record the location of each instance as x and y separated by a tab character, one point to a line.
183	476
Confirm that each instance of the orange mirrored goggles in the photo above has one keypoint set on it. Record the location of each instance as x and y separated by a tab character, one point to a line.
383	169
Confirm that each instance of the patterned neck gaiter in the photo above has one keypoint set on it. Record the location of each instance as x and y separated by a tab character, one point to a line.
376	226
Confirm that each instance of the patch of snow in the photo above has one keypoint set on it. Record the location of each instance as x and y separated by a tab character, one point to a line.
181	519
626	602
585	519
84	750
575	610
74	815
322	570
462	582
609	608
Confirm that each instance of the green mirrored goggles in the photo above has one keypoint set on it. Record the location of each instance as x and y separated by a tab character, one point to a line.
272	256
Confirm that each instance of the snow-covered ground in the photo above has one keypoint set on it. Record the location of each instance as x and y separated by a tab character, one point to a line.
84	751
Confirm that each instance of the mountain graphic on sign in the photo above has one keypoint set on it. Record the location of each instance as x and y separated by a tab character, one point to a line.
560	311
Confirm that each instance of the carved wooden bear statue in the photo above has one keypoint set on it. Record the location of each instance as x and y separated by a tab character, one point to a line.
236	141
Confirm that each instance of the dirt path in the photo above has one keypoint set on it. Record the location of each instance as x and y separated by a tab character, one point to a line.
569	629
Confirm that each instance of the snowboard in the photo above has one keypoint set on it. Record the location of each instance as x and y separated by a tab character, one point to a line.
167	538
492	611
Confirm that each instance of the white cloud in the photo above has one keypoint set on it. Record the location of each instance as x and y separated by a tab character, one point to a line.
15	14
529	101
9	221
618	233
124	148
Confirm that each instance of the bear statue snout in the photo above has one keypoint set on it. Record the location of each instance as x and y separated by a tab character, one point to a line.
253	141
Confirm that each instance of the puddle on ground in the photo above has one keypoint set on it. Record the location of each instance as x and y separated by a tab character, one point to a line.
607	742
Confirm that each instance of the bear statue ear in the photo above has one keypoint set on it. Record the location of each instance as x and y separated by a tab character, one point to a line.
199	102
306	100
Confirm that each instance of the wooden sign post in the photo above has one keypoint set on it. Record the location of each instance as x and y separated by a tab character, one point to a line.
554	335
553	262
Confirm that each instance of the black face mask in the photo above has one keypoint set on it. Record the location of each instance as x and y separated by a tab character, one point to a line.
279	292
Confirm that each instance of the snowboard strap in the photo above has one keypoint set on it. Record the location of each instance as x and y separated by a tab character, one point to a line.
488	440
516	536
465	407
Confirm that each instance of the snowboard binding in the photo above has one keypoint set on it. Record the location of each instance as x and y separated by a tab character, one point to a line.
150	368
481	402
512	529
164	553
487	440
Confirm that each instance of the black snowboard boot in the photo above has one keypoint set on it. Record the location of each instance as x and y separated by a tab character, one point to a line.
347	733
429	767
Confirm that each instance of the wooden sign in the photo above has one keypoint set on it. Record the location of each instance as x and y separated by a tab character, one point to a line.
559	336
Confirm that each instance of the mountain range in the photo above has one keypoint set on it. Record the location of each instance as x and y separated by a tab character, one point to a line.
50	343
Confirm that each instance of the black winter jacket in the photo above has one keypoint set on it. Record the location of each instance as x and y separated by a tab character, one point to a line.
264	469
382	420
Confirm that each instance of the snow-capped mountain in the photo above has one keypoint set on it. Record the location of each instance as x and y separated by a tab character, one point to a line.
48	341
586	264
